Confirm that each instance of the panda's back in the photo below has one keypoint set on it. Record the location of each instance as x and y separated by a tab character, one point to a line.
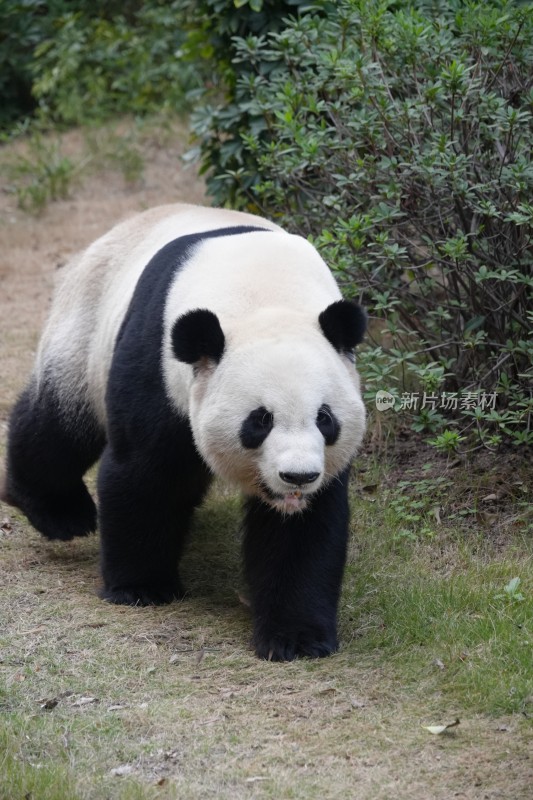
263	269
267	268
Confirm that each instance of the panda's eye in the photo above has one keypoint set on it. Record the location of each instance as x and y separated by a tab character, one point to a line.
256	427
327	424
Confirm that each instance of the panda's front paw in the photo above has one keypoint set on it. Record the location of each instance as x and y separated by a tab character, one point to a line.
291	645
143	595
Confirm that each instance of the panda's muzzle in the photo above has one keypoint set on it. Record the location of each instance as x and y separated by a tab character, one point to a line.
296	496
298	479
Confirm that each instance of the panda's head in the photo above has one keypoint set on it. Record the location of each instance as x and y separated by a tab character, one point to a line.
279	413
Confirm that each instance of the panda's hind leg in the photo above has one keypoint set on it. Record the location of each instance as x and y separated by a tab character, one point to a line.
48	454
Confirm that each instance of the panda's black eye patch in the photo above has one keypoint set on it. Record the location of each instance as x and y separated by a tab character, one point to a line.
256	427
327	424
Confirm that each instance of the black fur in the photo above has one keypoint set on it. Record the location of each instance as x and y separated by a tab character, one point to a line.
47	456
256	427
343	324
328	424
294	566
196	335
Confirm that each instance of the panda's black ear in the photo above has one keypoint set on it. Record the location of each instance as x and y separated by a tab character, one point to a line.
197	335
343	324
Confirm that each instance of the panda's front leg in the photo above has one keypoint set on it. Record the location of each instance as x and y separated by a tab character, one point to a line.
294	566
138	527
145	509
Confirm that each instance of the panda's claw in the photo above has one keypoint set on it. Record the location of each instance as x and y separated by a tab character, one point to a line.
143	595
280	648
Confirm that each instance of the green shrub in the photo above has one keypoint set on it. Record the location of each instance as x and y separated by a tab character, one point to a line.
98	65
23	24
43	174
224	108
399	138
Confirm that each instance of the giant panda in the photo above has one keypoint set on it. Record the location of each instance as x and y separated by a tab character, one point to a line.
190	342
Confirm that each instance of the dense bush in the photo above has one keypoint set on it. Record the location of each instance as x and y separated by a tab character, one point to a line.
399	137
77	60
23	24
83	60
98	65
224	110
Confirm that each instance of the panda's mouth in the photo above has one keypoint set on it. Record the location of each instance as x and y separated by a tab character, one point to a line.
288	503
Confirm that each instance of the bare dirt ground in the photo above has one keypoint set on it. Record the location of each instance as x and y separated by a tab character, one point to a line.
170	702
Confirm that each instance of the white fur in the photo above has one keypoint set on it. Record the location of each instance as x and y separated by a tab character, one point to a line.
291	378
96	289
267	290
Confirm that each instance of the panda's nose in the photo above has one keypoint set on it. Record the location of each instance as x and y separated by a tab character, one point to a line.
298	478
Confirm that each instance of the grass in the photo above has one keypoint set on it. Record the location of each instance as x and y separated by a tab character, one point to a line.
171	702
434	598
483	646
40	168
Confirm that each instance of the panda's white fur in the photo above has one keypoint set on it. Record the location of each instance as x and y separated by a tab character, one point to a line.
190	341
267	294
94	294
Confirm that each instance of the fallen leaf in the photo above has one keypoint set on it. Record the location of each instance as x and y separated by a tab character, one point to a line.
437	729
370	488
484	518
85	701
48	705
124	769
